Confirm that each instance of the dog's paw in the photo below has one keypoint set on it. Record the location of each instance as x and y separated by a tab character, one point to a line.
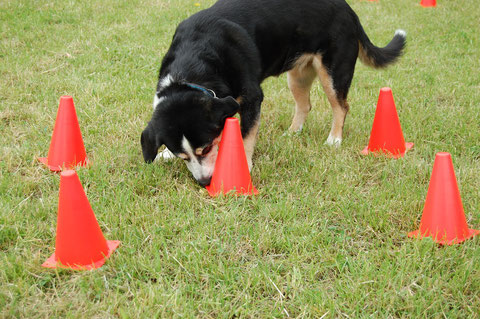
165	155
333	141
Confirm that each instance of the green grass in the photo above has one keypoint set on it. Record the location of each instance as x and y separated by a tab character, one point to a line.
325	237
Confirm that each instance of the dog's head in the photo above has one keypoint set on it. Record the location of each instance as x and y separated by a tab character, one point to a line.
189	123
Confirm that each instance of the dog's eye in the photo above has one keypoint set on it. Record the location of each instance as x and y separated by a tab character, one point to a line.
207	150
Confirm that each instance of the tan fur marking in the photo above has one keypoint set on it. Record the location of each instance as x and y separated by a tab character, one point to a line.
303	61
300	80
199	151
363	56
239	100
183	156
249	142
339	108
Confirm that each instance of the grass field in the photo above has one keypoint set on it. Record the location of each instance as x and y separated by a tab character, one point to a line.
326	237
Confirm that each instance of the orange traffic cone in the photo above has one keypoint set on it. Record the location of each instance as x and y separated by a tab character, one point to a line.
386	136
231	168
428	3
443	217
80	243
66	146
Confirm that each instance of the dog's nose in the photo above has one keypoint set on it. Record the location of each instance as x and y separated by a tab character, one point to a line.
204	181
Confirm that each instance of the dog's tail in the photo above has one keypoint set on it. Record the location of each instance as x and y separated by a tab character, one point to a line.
376	57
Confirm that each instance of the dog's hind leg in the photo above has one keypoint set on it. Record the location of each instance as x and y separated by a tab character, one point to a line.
300	80
336	89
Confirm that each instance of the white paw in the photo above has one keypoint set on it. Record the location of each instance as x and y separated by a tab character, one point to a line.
401	33
333	141
165	155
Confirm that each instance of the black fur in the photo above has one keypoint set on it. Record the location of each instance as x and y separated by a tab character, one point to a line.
234	45
206	115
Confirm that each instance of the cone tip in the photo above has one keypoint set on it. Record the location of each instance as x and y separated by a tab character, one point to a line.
231	120
385	89
443	154
66	97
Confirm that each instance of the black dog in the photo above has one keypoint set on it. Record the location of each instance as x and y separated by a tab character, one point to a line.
219	56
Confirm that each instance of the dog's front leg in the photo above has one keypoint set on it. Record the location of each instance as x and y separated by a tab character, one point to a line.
165	155
250	121
249	141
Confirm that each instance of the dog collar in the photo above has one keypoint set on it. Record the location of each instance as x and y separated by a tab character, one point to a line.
201	88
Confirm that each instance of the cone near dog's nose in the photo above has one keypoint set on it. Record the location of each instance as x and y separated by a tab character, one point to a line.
231	168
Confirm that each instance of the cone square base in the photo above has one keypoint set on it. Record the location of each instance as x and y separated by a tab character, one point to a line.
366	151
418	235
52	263
44	160
212	191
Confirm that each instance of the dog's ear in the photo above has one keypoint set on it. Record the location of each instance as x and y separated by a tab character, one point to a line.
150	144
224	108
